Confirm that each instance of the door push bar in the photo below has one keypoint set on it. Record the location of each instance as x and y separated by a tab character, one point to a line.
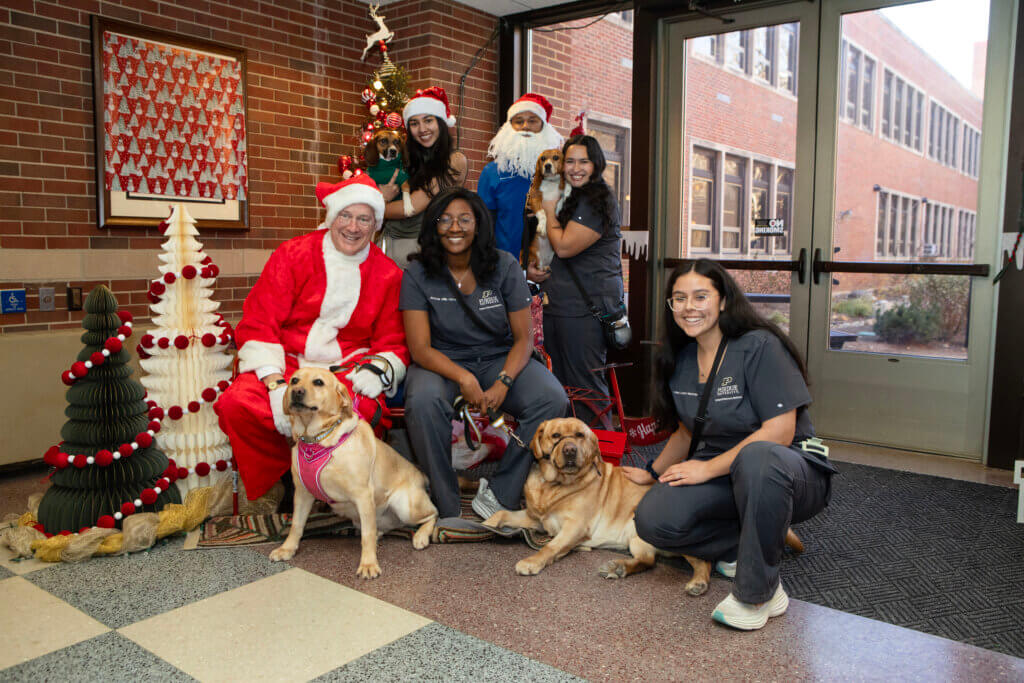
893	268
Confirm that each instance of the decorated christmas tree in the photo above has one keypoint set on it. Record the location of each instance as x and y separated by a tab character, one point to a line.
108	464
185	356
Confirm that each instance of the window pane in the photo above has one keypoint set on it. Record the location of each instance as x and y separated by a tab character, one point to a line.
701	202
867	100
761	41
852	83
736	50
886	103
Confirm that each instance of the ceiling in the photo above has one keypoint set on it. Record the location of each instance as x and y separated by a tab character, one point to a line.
499	7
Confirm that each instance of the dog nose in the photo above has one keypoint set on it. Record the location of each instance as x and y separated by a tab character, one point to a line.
298	394
569	453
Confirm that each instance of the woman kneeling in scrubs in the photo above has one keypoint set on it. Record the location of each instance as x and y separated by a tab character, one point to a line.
749	478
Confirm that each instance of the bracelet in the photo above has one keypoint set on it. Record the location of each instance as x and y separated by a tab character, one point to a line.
505	379
650	469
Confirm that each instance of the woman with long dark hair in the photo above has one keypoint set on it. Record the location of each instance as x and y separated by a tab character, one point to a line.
730	497
586	237
433	165
458	348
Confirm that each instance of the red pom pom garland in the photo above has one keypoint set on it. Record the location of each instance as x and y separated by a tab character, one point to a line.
80	369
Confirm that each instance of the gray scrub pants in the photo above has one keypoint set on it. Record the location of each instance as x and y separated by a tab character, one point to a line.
745	514
535	396
576	345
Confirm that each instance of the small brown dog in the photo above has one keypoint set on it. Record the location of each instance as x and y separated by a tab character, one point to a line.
387	144
582	500
337	458
548	183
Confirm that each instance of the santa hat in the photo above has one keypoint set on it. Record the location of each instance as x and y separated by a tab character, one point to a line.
433	101
359	189
533	103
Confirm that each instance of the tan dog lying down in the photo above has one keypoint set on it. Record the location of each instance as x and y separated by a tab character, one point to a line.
581	500
363	478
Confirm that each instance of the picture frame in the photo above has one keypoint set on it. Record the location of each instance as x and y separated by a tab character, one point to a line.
171	127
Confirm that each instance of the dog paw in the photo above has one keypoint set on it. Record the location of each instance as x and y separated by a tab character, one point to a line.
368	570
282	554
529	567
497	520
613	569
421	539
696	588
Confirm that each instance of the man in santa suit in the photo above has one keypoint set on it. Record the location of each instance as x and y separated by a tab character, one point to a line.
327	298
505	181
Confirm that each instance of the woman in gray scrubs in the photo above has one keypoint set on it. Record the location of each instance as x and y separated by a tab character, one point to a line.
488	364
749	477
585	234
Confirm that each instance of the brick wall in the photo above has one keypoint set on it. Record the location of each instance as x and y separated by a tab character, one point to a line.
304	80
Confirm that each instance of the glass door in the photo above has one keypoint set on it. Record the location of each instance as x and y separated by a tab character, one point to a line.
908	176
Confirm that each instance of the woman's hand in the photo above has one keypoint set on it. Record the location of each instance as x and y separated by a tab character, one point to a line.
687	473
495	396
637	475
549	205
535	274
470	389
390	190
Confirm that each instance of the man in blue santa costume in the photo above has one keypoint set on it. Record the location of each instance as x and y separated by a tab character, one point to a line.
505	181
326	298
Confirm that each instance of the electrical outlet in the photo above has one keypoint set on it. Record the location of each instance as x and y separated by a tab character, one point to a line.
47	299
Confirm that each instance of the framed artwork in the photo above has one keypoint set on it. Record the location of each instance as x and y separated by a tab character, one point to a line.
170	117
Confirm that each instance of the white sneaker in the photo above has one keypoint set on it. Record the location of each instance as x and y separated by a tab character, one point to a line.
726	569
747	617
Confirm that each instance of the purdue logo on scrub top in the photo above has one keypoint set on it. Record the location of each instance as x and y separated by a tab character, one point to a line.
488	299
727	388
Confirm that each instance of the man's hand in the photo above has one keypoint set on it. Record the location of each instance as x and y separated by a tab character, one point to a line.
390	190
535	274
495	396
471	391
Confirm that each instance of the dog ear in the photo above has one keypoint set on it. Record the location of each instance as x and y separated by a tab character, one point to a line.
371	154
535	446
539	166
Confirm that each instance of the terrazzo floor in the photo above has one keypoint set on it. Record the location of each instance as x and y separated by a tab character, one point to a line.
450	612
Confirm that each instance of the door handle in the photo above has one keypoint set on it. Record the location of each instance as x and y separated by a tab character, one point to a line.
816	266
801	261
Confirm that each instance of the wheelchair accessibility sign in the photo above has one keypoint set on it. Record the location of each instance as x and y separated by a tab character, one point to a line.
12	301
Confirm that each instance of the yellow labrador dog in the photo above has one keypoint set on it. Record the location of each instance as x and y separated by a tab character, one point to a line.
581	500
337	458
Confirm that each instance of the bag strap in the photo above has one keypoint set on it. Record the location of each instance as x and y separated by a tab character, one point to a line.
583	293
701	418
469	311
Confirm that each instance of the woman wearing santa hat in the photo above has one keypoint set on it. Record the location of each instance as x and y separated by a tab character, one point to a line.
326	298
433	166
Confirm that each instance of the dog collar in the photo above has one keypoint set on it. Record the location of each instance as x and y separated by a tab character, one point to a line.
322	435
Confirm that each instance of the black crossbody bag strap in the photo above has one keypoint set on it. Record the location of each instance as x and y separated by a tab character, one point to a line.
702	409
583	293
469	311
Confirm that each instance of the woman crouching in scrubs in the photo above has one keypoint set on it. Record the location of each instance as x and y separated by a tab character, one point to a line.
733	502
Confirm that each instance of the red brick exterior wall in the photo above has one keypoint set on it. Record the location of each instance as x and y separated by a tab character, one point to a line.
304	82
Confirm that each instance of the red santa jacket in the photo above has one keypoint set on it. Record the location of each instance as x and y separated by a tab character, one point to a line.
313	305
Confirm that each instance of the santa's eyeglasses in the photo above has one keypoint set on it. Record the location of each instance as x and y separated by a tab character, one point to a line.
362	220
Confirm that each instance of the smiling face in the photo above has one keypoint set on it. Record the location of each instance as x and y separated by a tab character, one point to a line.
578	166
424	128
353	228
526	121
565	448
696	304
456	226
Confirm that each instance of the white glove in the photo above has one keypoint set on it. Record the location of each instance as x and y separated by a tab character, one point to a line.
281	422
365	382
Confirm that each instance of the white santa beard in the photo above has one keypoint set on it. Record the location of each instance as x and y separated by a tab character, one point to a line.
517	151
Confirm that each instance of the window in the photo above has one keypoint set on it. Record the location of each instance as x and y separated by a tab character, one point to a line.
943	135
938	230
736	50
784	206
971	151
766	54
703	174
762	43
787	34
856	92
614	141
733	202
901	111
759	195
706	46
897	233
965	234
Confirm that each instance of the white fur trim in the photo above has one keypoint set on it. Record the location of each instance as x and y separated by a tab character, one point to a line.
399	367
354	194
426	105
326	364
527	105
256	354
340	298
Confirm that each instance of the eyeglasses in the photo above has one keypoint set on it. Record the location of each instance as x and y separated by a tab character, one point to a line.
677	304
362	220
466	221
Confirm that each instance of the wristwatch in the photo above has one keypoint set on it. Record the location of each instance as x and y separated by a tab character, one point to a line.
276	383
505	379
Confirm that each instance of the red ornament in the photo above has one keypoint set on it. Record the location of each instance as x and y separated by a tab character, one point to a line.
209	394
125	317
393	120
164	483
175	412
209	339
207	261
113	345
181	342
182	472
214	270
97	358
194	406
157	288
125	330
163	343
148	496
125	450
61	460
203	469
80	461
146	341
188	272
144	440
154	425
78	369
142	353
106	522
223	385
65	532
50	457
153	298
169	278
127	509
39	527
171	473
84	529
67	378
162	226
104	458
221	465
156	413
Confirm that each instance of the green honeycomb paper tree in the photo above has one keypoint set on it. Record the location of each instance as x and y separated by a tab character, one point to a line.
106	408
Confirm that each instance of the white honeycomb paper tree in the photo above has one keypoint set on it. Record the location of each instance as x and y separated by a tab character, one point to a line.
184	312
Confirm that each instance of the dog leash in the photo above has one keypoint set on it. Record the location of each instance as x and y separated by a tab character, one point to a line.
472	432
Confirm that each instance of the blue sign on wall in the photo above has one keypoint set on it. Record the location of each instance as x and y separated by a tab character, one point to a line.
12	301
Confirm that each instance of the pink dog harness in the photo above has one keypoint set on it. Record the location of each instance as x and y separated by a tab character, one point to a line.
312	459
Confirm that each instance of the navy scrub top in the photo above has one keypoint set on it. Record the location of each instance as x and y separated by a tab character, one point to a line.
756	381
452	331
